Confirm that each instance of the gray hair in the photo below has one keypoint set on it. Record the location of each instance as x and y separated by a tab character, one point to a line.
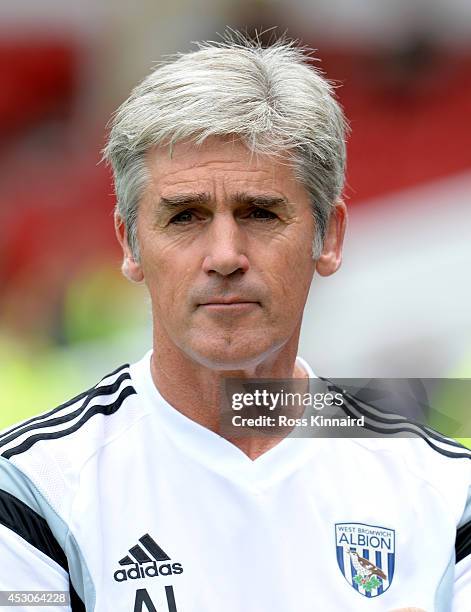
271	98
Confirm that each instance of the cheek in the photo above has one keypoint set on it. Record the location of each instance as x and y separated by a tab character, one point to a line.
295	262
289	277
167	277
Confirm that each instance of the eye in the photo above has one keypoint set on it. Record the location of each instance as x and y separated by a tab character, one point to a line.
186	216
262	213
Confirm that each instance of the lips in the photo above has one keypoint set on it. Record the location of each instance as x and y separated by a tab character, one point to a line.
227	301
228	306
227	296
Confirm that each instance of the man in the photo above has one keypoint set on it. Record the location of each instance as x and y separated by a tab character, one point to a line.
229	166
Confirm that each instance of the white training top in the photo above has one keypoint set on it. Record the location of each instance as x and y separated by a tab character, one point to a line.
119	499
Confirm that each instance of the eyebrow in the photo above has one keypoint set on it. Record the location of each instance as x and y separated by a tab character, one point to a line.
185	199
182	199
267	201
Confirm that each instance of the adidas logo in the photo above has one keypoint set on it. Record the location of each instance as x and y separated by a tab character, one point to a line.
147	561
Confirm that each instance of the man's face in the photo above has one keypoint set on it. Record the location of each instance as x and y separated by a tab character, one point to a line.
226	252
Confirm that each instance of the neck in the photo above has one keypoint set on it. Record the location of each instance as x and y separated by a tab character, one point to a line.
195	390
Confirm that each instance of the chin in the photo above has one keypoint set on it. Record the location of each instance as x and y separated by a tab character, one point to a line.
239	354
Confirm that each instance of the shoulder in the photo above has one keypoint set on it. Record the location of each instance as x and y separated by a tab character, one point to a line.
418	454
419	441
45	454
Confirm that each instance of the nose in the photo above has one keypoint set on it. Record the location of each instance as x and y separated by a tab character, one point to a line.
225	248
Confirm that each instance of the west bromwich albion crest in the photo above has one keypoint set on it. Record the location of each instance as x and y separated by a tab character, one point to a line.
366	555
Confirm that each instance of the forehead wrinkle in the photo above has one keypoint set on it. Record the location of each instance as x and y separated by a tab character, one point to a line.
165	184
231	192
193	174
259	181
184	165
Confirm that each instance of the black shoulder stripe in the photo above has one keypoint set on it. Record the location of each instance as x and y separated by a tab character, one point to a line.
33	528
463	541
418	433
106	410
394	419
75	399
76	604
29	525
402	425
70	402
121	367
50	422
391	418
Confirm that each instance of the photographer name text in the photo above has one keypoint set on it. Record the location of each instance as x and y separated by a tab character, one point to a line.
282	420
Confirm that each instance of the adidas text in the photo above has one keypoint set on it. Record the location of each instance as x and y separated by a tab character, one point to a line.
149	570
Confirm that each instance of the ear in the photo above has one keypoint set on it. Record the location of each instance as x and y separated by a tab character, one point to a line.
130	268
331	256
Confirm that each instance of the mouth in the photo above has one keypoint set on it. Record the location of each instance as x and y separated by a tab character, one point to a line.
229	305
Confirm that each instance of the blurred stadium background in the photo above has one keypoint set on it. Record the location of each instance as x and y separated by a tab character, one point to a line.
400	305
